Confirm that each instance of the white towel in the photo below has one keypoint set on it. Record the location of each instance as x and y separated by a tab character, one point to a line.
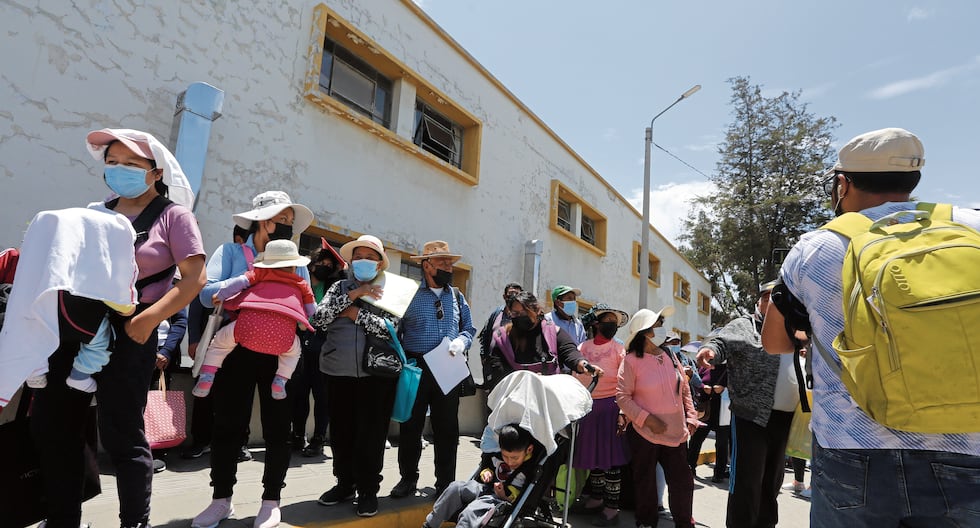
543	405
87	252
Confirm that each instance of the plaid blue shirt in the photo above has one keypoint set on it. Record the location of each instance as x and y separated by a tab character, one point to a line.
422	331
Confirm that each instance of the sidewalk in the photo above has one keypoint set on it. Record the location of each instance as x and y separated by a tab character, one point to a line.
182	490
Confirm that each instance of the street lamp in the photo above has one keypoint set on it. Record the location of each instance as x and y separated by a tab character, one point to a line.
645	234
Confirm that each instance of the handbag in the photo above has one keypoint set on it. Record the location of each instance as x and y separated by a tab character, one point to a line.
380	358
212	326
22	501
408	382
165	417
800	441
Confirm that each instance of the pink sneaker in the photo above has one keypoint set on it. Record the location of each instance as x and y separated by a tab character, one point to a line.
217	511
268	516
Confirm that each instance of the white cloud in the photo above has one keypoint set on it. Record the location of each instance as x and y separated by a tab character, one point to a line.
918	13
669	205
932	80
819	90
704	147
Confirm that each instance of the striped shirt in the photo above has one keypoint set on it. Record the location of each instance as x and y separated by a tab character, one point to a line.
812	272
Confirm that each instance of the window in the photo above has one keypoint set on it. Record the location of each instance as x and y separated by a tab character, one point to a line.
571	216
349	79
685	336
654	262
682	288
704	303
413	270
564	215
438	135
352	77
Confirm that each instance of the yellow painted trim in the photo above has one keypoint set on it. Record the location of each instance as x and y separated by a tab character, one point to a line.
559	190
413	7
701	302
406	516
365	48
650	255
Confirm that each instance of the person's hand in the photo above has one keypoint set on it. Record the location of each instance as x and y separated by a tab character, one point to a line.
582	367
457	346
486	476
215	301
350	312
719	389
705	355
139	329
707	389
370	290
691	427
162	361
621	423
688	371
654	425
498	490
192	350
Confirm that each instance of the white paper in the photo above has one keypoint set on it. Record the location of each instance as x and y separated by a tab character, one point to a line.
398	293
447	369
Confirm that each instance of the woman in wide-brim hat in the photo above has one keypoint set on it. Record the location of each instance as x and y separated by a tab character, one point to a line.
656	399
359	403
599	448
142	174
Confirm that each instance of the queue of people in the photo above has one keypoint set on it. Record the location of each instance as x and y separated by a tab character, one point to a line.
643	414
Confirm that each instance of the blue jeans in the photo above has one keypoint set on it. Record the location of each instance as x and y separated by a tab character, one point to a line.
883	487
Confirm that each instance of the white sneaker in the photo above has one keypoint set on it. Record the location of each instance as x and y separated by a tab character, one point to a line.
217	511
805	494
38	382
795	487
268	516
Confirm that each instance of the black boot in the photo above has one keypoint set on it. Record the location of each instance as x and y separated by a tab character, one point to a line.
315	447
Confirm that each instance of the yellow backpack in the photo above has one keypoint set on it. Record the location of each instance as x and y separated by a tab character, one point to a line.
910	349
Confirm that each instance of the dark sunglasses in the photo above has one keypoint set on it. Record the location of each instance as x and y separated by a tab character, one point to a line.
439	313
828	183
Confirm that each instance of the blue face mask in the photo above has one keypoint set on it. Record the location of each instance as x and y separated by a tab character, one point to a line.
676	349
364	269
128	182
570	308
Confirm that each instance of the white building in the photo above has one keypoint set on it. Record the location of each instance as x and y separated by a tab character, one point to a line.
366	111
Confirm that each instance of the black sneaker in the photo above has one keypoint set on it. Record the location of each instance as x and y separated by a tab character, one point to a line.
297	441
315	448
367	505
336	495
404	488
159	465
195	451
244	455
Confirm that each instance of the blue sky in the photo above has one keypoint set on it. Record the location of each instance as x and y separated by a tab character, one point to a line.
597	72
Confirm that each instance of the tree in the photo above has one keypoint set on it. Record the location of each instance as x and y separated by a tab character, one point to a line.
768	193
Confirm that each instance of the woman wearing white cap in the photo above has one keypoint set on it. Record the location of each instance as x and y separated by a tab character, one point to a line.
142	174
273	216
656	399
359	403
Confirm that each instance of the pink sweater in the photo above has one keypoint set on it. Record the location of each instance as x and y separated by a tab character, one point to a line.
648	387
607	356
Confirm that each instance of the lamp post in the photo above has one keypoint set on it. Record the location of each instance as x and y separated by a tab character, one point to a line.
645	228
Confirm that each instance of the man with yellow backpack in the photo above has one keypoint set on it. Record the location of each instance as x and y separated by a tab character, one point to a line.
890	291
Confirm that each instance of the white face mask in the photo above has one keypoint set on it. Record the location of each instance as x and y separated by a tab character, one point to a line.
659	335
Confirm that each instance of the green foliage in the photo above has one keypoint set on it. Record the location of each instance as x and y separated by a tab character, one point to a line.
768	193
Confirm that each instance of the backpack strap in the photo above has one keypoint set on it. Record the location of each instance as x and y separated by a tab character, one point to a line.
937	210
142	225
849	225
249	257
550	331
506	350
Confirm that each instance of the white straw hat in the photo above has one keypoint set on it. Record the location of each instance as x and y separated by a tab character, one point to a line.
281	254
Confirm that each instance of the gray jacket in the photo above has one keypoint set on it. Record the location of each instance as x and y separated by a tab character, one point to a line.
343	348
752	371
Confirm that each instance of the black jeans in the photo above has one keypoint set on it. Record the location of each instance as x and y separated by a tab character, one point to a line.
680	482
306	379
722	440
444	418
360	410
232	393
757	470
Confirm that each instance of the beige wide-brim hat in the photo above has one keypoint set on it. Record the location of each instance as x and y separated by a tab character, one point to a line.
270	203
281	254
644	319
436	248
368	241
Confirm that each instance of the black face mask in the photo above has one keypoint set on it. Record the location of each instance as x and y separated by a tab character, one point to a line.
322	273
522	323
608	330
442	278
282	232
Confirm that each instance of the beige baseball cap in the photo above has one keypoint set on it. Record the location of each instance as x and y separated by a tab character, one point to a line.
885	150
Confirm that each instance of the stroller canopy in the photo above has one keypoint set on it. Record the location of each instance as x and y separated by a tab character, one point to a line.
543	405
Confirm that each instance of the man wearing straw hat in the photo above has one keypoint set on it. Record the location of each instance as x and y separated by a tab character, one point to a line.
437	311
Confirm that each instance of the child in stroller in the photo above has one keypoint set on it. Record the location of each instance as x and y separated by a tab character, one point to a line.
544	409
499	481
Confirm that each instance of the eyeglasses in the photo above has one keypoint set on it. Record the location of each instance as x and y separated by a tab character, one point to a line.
439	313
828	183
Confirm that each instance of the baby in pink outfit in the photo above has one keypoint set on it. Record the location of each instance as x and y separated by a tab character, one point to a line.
271	300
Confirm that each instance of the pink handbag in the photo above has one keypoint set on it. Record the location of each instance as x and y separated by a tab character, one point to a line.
165	417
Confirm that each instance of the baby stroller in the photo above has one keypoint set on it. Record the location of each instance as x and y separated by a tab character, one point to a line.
549	407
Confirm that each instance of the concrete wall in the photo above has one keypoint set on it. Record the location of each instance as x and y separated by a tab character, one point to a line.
70	67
